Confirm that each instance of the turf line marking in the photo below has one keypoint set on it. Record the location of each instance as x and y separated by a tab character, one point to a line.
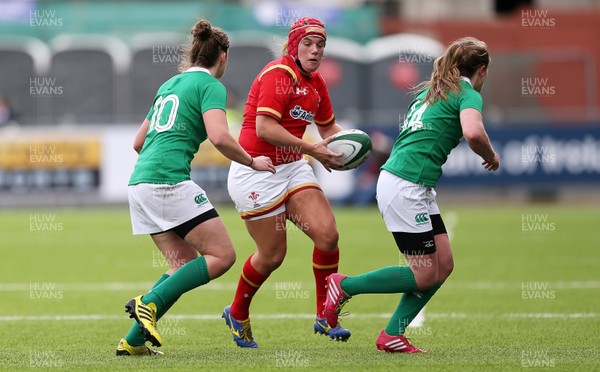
220	286
21	318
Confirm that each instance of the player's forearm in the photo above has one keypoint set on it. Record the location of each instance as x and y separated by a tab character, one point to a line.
330	130
480	144
231	149
140	137
270	131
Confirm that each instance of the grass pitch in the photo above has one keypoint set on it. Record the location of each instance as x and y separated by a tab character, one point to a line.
524	293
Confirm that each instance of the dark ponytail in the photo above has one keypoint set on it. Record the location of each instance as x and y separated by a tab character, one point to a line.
206	45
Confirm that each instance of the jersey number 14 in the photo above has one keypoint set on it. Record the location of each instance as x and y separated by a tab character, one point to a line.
413	119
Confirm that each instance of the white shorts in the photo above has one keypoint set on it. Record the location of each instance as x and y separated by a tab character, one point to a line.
157	208
262	194
405	206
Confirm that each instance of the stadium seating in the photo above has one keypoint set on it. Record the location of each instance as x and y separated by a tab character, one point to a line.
98	79
154	60
88	68
25	58
396	63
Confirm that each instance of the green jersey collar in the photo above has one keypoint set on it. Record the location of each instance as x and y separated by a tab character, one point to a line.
196	68
467	80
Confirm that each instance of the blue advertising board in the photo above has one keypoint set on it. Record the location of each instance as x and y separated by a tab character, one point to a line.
533	156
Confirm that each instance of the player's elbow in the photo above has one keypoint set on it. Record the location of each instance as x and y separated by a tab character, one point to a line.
473	138
265	127
138	147
262	132
218	140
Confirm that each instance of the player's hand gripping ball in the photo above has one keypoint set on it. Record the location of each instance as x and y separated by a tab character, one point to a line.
354	144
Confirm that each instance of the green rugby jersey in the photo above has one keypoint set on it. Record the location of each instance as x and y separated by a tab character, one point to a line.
176	127
428	135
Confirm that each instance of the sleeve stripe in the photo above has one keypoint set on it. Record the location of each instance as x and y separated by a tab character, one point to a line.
270	110
325	121
287	68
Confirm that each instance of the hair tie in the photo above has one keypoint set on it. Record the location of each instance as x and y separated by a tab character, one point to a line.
462	46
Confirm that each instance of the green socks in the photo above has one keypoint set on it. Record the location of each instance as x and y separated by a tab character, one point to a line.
391	279
167	290
191	275
407	310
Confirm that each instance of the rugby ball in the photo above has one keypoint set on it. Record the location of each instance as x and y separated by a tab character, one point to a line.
354	144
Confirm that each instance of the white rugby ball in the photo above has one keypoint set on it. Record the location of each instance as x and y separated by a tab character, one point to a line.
354	144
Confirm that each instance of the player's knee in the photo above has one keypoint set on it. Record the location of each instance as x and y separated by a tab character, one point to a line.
445	269
181	259
229	258
268	260
328	240
426	280
274	261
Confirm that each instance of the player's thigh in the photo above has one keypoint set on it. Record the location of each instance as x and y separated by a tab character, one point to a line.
420	252
177	252
442	242
424	268
211	238
445	258
269	234
310	211
256	194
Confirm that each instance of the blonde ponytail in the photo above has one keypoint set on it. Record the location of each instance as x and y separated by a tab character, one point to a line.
462	58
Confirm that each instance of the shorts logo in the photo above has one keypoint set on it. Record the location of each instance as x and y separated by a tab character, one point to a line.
421	218
200	199
429	244
254	197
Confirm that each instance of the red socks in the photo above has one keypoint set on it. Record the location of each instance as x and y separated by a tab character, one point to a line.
250	282
324	264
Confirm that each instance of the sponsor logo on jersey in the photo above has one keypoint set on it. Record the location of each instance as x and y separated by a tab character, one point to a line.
200	199
421	218
299	113
254	197
303	91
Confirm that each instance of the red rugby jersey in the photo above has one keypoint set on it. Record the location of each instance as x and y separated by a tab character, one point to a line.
294	100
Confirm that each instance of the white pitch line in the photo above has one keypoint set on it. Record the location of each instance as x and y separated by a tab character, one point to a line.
105	287
280	285
20	318
486	285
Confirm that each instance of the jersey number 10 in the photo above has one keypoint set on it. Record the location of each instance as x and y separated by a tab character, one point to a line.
158	122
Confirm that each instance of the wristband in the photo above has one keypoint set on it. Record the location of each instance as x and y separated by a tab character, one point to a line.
251	161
